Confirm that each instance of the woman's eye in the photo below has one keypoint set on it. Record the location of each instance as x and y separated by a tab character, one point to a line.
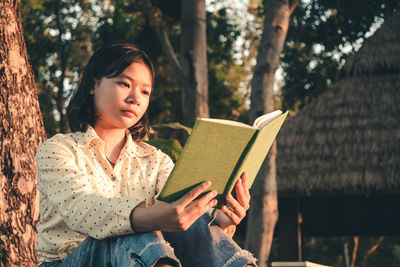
145	92
124	84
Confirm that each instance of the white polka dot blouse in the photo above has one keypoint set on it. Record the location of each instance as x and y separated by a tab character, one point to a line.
82	195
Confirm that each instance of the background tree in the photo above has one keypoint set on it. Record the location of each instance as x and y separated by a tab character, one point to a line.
225	74
321	36
191	70
90	26
21	132
263	213
58	36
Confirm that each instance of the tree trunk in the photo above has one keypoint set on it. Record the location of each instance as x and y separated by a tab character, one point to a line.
194	61
21	132
346	253
355	248
263	213
192	70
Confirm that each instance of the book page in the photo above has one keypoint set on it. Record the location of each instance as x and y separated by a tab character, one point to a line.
255	153
227	122
263	120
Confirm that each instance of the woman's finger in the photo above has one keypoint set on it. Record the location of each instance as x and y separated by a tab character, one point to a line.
235	206
203	204
240	194
231	214
246	188
193	194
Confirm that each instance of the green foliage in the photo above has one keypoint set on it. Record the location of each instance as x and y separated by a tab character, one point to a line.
121	21
221	36
306	75
172	125
169	137
396	254
57	35
166	99
172	131
224	74
171	147
47	104
320	37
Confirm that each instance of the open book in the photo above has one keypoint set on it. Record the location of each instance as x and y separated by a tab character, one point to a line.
220	151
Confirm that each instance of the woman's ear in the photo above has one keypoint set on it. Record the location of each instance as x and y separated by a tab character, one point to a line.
95	84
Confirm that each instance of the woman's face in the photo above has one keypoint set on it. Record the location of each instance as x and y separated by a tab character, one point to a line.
121	101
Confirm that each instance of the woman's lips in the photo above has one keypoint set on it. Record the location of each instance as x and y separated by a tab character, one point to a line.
129	113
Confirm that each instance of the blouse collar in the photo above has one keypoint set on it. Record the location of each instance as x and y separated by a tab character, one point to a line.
131	148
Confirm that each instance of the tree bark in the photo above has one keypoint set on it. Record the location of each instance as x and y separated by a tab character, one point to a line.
21	133
263	213
194	61
191	70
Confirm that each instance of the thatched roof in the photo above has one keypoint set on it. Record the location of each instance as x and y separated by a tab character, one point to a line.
379	54
348	140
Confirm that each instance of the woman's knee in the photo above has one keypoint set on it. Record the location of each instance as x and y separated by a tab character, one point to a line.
149	248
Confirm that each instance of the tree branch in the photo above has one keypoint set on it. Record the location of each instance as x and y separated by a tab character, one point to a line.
156	24
373	248
292	5
354	256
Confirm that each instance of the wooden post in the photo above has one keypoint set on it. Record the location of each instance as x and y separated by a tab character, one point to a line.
289	229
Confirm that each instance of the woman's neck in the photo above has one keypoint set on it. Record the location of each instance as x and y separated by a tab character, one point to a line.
114	141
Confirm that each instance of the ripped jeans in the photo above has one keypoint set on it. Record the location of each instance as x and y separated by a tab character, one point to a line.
201	245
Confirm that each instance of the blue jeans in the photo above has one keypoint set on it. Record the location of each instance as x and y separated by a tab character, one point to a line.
201	245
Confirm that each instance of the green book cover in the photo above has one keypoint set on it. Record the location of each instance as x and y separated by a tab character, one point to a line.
219	151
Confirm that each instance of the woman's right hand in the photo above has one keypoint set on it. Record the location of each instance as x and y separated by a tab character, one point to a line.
175	216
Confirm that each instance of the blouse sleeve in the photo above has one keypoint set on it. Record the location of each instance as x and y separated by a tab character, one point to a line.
68	188
166	166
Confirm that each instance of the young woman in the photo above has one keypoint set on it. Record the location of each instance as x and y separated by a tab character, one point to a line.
98	185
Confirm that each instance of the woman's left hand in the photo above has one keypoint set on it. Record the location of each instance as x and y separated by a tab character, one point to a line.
235	209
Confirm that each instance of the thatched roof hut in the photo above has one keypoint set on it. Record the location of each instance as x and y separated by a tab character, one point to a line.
338	164
348	140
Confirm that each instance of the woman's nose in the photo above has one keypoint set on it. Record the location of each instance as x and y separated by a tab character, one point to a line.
132	97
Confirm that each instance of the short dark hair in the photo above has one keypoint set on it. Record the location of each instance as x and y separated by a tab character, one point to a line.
109	61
